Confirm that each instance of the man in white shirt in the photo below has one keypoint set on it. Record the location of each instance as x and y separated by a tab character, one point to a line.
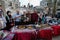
17	18
2	20
48	18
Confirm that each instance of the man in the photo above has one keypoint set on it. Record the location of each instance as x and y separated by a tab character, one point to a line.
23	18
2	20
34	17
48	18
17	18
28	14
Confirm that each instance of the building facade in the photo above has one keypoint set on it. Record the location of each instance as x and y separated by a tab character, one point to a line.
43	4
10	5
58	4
58	7
48	6
2	3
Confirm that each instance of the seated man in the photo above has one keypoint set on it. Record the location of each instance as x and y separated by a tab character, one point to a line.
58	21
52	22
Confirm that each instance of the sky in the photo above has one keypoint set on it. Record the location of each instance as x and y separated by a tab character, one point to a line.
32	2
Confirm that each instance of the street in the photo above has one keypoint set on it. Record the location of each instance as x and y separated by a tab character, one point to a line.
56	38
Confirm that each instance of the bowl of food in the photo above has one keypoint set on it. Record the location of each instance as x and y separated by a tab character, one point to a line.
21	27
29	27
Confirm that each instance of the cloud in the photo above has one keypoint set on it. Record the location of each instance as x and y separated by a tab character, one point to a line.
33	2
24	2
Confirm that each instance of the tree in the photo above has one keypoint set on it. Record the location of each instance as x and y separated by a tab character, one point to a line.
54	7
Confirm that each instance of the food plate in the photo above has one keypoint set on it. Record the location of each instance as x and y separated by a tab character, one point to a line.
21	27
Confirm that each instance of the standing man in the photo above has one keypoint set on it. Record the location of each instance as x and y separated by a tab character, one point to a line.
28	17
2	20
34	17
17	18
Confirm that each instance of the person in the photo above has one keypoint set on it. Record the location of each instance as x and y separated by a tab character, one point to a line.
43	19
9	16
17	18
9	23
53	21
2	20
23	18
47	17
28	19
34	17
40	18
58	21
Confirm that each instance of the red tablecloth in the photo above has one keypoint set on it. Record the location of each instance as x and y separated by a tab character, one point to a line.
45	34
25	36
56	30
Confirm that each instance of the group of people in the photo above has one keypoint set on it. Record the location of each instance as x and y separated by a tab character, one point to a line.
26	18
18	19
